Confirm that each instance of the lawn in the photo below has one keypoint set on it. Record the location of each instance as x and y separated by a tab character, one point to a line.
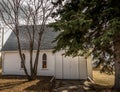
102	82
103	79
20	84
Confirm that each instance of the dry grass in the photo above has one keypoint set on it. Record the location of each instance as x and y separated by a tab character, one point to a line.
20	84
103	82
103	79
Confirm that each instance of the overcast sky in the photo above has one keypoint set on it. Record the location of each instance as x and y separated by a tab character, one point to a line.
7	31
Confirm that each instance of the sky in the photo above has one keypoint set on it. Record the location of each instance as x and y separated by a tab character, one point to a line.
7	31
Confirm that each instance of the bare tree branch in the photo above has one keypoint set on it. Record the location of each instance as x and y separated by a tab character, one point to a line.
32	13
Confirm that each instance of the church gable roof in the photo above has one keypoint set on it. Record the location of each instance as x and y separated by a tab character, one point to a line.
46	42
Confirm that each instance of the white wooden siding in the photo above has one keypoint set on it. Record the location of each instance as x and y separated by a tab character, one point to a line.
57	64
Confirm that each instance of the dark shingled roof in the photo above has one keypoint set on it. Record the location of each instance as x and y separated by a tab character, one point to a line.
46	42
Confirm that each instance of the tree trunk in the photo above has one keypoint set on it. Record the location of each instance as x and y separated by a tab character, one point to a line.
22	59
117	62
31	57
37	54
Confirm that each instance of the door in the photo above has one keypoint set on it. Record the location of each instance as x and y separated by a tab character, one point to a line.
70	68
74	69
66	67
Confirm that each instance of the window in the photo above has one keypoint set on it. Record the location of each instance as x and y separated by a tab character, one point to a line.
44	61
22	65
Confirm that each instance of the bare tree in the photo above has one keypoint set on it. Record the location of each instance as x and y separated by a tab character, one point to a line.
27	12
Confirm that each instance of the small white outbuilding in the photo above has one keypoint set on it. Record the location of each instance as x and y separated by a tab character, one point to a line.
50	64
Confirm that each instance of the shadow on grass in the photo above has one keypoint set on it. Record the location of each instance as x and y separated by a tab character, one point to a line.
12	76
4	86
69	85
43	85
101	88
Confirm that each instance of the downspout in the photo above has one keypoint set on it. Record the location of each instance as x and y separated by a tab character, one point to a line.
89	77
89	61
55	66
62	67
78	67
87	68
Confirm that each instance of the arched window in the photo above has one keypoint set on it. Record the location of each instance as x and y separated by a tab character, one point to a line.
44	61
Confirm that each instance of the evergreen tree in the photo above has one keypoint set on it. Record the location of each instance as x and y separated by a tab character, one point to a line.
89	24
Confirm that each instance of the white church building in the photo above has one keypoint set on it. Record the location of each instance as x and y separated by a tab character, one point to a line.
50	64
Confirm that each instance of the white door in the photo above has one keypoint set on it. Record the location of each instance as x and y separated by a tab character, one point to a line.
70	68
66	67
74	69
